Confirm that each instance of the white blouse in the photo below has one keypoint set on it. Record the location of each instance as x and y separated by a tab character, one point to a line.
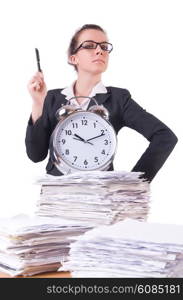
99	88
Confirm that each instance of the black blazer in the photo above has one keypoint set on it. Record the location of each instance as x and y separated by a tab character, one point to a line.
124	111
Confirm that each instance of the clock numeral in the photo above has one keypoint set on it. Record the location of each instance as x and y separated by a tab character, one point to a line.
94	125
103	151
75	125
95	159
67	151
68	132
63	141
75	158
102	131
106	142
85	162
84	122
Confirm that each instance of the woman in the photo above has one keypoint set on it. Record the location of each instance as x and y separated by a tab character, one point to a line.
89	52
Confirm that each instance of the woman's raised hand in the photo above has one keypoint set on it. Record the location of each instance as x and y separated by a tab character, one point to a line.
38	90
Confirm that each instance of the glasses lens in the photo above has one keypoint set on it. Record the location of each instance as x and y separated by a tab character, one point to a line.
106	47
93	45
89	45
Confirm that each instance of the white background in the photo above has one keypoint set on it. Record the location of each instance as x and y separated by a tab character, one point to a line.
147	60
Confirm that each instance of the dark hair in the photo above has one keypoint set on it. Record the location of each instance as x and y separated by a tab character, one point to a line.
74	40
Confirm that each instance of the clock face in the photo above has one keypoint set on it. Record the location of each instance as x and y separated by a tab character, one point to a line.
85	141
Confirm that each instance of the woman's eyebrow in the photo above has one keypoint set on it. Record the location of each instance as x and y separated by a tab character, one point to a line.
93	41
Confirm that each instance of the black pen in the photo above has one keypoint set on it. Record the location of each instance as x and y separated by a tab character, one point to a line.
38	60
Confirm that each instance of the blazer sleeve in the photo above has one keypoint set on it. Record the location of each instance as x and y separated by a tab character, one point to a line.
162	139
38	134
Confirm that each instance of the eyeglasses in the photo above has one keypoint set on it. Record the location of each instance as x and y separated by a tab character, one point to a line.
105	46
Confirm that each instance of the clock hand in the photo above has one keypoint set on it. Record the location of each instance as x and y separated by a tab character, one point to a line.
95	137
81	139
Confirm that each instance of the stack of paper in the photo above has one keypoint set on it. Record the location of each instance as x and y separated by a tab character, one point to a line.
97	197
30	245
128	249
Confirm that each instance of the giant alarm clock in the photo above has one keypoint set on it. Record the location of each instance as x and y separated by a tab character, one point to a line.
83	140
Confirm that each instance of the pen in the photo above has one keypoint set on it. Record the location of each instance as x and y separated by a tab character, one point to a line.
38	60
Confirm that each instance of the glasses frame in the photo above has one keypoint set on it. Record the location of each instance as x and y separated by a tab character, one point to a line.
81	46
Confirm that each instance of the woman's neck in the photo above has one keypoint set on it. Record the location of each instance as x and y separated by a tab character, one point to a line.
84	84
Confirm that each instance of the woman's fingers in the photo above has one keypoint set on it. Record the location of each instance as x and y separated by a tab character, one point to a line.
36	82
37	77
35	85
37	88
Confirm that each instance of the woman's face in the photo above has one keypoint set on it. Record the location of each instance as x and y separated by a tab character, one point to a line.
93	61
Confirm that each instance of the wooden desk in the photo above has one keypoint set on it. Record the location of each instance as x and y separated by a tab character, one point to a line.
42	275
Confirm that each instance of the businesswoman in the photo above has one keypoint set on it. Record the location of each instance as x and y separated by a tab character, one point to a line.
89	53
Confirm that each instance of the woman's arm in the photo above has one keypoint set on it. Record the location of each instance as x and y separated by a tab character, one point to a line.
38	135
162	139
38	128
38	90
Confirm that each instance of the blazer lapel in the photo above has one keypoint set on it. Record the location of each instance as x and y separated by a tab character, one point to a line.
100	98
64	101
